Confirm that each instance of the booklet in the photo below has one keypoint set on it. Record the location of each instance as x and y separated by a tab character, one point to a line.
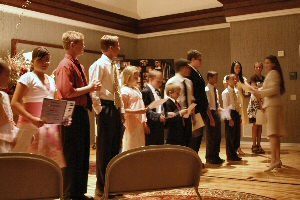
57	111
190	108
156	103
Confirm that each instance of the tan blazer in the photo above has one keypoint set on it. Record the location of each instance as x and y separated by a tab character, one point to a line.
270	90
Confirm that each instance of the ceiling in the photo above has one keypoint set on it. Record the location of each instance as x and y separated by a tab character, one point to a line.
143	9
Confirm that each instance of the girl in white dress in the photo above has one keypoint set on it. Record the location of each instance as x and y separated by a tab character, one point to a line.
7	126
136	126
31	89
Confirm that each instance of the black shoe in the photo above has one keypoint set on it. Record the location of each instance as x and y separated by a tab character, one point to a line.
234	159
220	160
213	161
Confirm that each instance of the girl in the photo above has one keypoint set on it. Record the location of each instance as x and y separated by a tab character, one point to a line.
31	89
7	125
135	110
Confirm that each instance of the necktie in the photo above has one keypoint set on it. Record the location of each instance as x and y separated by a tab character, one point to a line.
236	103
117	99
89	99
216	99
185	93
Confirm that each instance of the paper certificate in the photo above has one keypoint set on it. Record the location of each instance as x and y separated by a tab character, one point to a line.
57	111
190	108
198	122
156	103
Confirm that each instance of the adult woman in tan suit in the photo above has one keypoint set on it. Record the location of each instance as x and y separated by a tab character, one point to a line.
271	91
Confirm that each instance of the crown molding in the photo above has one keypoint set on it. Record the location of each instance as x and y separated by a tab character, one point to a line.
263	15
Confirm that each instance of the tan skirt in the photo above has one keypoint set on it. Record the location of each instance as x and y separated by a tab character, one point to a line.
275	121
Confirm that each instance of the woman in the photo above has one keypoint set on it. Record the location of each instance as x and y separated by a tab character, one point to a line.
237	69
272	89
31	89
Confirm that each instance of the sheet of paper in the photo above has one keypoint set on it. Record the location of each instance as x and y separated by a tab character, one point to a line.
190	108
24	138
156	103
198	122
56	111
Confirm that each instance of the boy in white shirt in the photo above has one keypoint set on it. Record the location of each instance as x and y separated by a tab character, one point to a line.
232	124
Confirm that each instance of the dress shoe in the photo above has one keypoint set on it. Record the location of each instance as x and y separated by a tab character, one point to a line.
273	165
234	159
240	152
221	160
278	166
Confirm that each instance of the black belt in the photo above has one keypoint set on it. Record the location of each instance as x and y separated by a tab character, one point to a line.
107	102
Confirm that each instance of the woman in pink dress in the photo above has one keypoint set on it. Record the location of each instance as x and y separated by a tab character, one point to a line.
31	89
136	126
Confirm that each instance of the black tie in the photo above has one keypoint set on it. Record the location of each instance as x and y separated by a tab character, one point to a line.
158	93
89	100
216	99
185	93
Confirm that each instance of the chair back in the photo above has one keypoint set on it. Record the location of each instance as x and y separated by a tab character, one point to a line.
29	176
152	168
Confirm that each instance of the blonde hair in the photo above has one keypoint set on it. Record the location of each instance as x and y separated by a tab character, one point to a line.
71	36
154	74
172	87
107	41
128	72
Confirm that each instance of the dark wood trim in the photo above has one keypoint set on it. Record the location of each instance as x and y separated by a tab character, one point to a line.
14	43
76	11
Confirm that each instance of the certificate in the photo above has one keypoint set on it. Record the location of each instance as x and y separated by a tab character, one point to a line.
57	111
190	108
156	103
198	122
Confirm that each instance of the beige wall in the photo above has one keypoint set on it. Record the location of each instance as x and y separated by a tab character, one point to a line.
246	41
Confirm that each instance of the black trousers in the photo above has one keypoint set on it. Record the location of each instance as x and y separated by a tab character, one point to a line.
213	137
232	134
76	147
110	133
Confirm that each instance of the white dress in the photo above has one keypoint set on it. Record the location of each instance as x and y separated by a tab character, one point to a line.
134	135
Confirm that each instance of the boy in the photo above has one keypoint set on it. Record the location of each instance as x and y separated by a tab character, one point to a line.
213	133
155	117
175	121
71	83
186	97
232	124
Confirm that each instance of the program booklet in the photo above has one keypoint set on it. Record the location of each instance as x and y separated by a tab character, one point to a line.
57	111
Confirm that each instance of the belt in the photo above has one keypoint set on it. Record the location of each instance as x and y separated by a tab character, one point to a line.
107	102
81	107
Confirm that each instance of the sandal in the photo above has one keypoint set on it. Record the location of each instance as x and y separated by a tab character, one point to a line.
260	150
254	149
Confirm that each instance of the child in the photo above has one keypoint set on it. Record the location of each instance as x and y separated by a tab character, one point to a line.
155	116
256	80
175	121
232	124
213	131
135	110
7	125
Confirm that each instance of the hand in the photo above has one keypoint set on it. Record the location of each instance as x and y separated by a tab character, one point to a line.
231	123
95	86
183	112
146	129
147	109
212	122
37	122
171	114
162	118
123	118
68	121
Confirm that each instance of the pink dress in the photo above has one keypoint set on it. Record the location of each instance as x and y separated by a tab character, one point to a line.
134	135
47	140
7	125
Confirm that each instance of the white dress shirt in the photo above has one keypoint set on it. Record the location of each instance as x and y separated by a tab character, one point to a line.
230	98
156	97
210	93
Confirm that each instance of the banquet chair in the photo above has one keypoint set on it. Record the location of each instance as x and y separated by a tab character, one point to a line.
29	176
151	168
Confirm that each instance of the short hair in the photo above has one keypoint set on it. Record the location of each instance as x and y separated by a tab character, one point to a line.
192	54
181	63
171	87
128	72
211	74
3	66
228	76
258	62
108	40
71	36
38	53
154	73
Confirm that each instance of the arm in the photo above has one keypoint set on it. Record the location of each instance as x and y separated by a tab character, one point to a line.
151	114
271	85
16	104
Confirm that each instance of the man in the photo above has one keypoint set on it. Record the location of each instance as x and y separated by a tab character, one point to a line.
71	83
186	97
202	107
109	108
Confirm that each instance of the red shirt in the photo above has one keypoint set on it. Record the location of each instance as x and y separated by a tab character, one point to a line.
68	78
